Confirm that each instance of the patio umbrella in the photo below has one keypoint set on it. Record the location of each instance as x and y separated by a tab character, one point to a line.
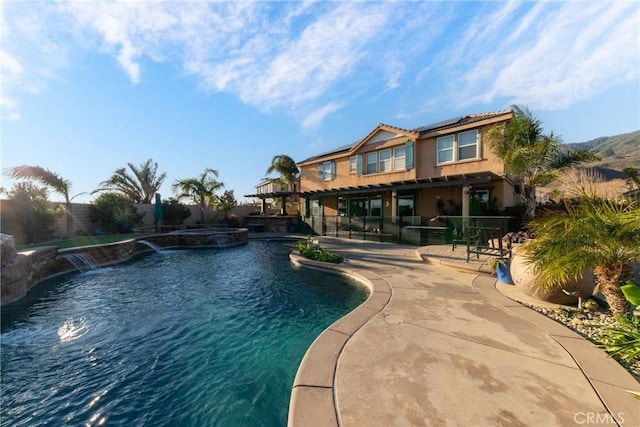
157	214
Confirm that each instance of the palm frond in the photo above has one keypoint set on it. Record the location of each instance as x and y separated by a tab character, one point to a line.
43	176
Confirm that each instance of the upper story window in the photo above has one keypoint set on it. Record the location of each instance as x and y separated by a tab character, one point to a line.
384	163
353	164
385	160
327	171
399	158
372	162
468	145
445	149
454	148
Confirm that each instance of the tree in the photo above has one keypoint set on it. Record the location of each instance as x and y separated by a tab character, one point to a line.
32	218
286	168
227	201
532	157
201	190
593	232
174	211
110	210
140	184
51	180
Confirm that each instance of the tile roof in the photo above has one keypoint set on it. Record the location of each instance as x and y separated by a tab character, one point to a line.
328	153
457	121
444	124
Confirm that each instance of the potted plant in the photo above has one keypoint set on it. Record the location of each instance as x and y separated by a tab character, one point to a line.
500	266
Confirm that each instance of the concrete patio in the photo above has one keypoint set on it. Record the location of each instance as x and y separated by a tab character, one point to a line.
437	344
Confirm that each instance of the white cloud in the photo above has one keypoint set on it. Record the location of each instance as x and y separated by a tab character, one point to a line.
12	69
306	65
9	109
555	55
315	118
30	57
310	59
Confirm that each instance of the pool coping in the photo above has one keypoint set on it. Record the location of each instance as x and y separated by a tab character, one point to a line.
313	396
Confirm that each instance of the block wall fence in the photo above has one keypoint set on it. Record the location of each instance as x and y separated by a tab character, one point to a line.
83	224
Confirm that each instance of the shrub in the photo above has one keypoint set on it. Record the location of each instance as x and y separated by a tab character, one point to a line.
111	210
174	212
309	249
32	217
623	341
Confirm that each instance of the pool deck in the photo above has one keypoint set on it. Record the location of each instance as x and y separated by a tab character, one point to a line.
438	343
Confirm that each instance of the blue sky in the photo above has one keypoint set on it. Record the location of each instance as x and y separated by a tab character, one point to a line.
89	86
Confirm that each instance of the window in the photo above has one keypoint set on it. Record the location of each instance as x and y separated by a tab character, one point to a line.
384	164
375	204
399	159
358	207
342	207
353	164
386	160
482	196
454	148
316	208
468	145
372	162
445	149
405	206
327	171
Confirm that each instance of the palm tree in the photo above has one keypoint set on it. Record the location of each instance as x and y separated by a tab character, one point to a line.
284	166
140	186
50	180
594	232
201	190
532	157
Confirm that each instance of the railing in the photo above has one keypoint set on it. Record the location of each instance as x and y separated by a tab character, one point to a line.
409	230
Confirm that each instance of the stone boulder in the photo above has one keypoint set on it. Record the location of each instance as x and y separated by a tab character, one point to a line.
7	249
13	280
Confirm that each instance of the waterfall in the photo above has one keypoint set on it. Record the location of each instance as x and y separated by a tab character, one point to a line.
82	261
151	245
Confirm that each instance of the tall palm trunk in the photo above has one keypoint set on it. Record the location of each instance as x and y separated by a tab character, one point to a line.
610	278
530	202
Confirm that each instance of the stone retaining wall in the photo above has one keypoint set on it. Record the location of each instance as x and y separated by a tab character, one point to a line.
23	270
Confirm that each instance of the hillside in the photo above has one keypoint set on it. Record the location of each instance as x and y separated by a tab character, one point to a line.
617	152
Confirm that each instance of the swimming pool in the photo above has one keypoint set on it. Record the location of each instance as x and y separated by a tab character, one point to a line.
190	338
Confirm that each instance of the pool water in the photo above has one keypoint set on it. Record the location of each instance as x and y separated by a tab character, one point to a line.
188	338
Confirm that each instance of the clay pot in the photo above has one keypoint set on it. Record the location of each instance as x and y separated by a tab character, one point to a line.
527	282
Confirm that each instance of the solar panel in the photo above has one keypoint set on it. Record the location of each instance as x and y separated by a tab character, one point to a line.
439	124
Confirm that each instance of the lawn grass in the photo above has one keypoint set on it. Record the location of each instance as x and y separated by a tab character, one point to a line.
85	241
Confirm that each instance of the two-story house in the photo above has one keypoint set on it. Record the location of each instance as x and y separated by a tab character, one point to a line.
269	191
396	177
